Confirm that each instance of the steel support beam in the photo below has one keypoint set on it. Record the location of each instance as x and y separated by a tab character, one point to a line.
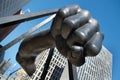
28	33
16	19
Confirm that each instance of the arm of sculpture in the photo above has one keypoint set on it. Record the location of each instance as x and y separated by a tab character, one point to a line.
31	47
74	32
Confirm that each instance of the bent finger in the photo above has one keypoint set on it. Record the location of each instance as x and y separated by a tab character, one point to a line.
73	22
94	45
61	14
84	33
75	56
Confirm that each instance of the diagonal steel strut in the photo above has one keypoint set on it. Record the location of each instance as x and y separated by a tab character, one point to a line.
28	33
15	19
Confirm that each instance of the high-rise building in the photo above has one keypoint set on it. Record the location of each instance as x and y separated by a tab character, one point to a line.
8	8
53	66
96	68
50	65
11	7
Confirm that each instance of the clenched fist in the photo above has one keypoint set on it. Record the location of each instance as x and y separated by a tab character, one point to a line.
74	32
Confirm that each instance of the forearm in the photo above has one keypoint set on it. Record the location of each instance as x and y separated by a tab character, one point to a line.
34	44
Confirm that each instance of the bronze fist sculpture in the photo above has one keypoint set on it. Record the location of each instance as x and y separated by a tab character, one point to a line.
74	32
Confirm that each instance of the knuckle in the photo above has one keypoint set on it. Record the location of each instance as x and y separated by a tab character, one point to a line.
94	22
100	36
69	21
80	37
68	10
94	45
63	12
77	51
77	7
67	27
86	13
76	61
85	32
91	50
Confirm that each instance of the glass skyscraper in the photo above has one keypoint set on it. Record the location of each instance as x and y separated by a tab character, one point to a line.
53	66
50	65
10	7
96	68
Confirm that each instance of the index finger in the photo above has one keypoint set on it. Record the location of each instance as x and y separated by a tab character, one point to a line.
61	14
68	11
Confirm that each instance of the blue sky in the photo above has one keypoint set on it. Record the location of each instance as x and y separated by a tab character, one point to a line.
105	11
